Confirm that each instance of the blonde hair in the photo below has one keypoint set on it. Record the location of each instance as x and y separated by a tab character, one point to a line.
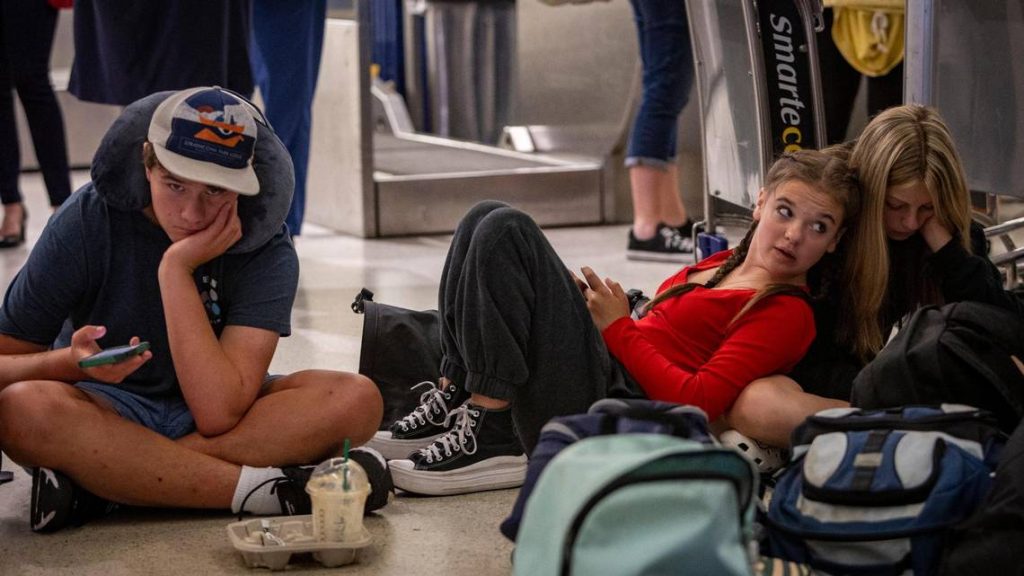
902	145
826	173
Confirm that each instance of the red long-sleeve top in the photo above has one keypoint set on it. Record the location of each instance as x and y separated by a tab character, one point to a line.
689	350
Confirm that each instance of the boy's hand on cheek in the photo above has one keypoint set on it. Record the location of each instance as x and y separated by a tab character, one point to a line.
209	243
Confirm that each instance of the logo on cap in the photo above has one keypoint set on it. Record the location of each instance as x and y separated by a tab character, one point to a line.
213	126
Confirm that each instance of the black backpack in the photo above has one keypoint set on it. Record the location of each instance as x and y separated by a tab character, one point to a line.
958	353
990	542
400	348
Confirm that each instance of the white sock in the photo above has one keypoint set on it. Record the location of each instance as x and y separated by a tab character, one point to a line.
261	501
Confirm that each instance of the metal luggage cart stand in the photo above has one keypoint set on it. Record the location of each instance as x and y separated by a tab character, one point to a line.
964	59
372	173
759	90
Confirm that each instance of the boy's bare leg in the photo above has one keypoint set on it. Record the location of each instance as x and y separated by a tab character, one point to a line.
301	418
54	425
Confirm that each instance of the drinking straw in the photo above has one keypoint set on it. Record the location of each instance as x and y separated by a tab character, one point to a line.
345	484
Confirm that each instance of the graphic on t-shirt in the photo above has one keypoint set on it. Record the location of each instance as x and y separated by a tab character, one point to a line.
211	300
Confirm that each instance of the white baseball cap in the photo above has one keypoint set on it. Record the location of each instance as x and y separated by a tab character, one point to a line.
207	134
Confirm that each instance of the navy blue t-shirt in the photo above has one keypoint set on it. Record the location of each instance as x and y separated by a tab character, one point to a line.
97	265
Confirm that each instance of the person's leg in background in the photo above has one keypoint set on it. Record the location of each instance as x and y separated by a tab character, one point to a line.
517	335
10	151
28	29
885	91
287	39
839	82
661	229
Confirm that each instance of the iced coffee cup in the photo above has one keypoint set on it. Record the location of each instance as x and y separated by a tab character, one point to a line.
338	489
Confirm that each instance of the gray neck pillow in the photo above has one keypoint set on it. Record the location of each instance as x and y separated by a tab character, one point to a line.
120	177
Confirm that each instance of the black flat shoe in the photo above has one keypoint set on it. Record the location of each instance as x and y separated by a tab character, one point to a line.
15	240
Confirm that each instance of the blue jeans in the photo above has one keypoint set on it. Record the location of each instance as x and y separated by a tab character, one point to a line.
287	37
170	417
667	59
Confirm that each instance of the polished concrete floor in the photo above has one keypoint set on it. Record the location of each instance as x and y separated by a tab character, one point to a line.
412	536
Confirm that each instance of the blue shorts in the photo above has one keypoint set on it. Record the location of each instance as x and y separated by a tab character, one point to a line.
168	417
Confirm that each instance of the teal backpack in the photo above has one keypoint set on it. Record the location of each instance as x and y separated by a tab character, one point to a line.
625	504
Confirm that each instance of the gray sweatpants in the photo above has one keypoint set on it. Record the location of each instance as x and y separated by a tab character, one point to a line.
514	325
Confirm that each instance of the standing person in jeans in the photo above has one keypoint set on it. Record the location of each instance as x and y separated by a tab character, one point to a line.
287	38
661	229
523	340
27	28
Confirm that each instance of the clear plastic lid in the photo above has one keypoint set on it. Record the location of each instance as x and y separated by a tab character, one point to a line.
338	475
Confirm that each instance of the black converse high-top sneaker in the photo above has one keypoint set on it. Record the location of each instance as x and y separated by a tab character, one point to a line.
423	425
480	452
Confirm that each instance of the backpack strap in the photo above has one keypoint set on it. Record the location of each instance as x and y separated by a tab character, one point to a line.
867	462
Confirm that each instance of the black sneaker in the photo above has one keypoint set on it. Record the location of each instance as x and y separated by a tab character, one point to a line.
58	502
291	490
480	452
290	487
668	244
686	230
421	426
382	490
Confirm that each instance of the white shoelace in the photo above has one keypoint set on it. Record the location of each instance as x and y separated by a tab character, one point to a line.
460	437
432	404
676	241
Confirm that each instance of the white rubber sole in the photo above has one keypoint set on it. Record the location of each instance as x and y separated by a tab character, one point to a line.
393	449
495	473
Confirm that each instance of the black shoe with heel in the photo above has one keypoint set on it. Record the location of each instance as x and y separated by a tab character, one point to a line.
15	240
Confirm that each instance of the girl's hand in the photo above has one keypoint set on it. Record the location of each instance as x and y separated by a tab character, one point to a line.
935	234
83	345
211	242
579	283
606	299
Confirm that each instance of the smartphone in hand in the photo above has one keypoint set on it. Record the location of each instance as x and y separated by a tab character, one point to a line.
113	355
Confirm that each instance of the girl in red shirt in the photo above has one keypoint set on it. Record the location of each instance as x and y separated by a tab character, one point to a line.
525	340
